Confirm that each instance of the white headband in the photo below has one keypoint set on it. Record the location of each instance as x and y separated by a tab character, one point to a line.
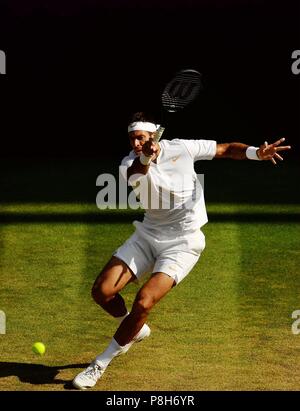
143	126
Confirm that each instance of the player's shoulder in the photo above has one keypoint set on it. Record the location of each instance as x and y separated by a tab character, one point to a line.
172	143
177	143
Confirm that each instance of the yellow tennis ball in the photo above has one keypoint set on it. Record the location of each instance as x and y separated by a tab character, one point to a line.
39	348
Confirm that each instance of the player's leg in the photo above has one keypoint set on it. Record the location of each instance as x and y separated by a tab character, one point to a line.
132	257
176	260
129	262
174	263
150	294
132	328
112	279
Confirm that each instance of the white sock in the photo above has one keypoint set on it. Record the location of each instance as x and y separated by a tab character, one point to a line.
120	319
111	351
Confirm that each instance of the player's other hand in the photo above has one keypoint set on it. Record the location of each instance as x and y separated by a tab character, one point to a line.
150	148
270	151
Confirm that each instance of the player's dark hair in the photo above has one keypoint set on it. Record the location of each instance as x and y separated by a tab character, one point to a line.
141	116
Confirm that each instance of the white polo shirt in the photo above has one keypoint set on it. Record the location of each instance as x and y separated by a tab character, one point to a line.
171	193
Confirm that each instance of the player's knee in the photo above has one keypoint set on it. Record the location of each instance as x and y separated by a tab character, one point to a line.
143	305
101	294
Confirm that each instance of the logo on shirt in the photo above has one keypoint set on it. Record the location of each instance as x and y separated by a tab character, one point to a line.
174	159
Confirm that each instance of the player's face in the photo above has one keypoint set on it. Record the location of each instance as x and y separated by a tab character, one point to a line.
137	139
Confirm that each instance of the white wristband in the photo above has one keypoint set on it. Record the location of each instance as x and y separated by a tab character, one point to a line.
251	153
145	160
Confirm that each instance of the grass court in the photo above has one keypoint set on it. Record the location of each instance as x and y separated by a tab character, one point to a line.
227	326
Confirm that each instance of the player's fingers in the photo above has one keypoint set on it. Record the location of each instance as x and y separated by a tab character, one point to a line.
281	148
266	146
278	156
273	161
281	140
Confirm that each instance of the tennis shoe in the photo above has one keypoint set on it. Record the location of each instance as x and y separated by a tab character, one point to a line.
144	332
89	377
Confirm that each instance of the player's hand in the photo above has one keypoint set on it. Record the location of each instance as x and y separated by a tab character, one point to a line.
150	148
270	151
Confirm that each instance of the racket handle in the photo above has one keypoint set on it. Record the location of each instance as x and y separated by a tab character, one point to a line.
158	134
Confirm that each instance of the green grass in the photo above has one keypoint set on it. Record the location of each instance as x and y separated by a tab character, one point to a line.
227	326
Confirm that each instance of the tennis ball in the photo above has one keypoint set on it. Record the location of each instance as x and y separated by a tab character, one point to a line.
39	348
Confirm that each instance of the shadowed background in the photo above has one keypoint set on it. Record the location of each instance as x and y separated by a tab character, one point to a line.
77	70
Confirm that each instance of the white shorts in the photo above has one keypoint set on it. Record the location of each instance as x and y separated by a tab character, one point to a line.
144	253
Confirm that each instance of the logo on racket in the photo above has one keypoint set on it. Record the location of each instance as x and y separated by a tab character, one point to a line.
181	90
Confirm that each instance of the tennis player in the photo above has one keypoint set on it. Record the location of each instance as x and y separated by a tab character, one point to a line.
169	241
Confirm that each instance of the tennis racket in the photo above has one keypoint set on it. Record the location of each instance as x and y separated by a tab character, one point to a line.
178	93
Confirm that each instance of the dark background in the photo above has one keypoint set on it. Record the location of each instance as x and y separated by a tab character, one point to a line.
77	69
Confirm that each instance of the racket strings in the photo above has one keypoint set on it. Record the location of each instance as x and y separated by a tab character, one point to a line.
181	90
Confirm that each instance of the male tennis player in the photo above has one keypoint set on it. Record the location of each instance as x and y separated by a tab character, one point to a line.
169	241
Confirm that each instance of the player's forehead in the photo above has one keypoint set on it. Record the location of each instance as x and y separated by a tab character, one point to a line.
138	134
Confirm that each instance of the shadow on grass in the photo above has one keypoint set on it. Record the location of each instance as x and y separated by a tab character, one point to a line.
104	217
37	373
119	217
42	180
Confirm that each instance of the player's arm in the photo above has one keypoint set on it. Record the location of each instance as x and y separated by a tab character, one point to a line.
240	151
237	151
141	164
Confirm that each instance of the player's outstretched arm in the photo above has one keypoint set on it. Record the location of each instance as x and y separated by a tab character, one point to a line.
239	151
